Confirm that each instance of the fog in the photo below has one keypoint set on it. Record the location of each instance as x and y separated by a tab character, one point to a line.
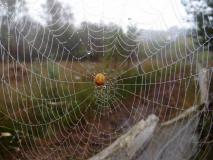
152	14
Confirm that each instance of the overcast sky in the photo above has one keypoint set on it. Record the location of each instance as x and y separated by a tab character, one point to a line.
147	14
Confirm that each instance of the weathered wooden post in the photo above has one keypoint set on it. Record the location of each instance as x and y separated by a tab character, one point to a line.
203	79
135	140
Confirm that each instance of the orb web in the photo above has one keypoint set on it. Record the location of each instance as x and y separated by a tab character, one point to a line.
55	109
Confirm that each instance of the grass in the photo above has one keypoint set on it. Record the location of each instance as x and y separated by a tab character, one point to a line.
46	93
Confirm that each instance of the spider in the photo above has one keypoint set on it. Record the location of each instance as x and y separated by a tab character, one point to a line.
100	79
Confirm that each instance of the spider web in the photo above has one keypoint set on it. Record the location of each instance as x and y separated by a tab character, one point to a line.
58	112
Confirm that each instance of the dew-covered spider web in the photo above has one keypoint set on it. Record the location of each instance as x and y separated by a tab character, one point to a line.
51	107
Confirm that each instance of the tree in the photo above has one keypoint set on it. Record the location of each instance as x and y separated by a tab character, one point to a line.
59	30
202	16
9	17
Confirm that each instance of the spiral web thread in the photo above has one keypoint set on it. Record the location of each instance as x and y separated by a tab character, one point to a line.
56	109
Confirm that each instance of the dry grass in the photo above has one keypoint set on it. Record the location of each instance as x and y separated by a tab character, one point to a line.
165	83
